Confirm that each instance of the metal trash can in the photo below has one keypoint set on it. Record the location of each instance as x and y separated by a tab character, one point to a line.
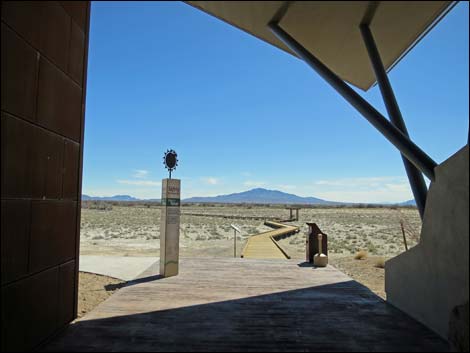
312	242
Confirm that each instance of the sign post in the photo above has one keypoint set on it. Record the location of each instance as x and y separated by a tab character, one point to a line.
170	219
170	227
235	230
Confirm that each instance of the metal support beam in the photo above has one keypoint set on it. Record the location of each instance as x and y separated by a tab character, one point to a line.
416	179
410	150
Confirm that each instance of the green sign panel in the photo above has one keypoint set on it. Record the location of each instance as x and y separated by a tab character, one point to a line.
170	202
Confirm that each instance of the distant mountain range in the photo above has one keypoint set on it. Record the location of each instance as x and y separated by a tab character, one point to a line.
110	198
407	203
258	195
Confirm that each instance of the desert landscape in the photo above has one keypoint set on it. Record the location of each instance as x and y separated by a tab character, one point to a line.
132	229
375	233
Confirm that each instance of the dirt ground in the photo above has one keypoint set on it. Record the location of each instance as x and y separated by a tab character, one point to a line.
94	289
363	271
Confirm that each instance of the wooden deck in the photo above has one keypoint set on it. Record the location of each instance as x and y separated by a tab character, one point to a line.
228	304
264	245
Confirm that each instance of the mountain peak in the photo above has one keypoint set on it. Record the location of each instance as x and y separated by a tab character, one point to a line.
261	195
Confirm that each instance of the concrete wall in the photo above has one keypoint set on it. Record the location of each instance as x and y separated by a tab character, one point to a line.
428	281
43	70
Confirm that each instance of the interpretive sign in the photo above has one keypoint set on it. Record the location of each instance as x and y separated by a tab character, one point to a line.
170	227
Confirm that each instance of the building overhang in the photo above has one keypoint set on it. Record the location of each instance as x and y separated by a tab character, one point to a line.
330	29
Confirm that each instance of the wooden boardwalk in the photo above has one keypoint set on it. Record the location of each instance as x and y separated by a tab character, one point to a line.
226	304
265	246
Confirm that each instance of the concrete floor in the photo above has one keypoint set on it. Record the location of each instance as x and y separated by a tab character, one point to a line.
246	305
121	267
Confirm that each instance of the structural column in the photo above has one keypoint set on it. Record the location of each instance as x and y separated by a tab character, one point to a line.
409	149
416	179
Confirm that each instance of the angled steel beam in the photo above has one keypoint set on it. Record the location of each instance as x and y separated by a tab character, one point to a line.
410	150
416	179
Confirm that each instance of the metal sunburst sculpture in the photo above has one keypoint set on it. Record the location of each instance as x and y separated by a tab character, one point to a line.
170	160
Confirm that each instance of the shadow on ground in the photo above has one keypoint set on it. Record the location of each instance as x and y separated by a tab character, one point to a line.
343	316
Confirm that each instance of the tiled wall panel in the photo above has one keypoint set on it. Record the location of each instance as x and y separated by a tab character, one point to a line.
59	101
17	170
76	9
70	171
46	161
43	74
30	309
56	233
77	43
66	292
25	18
16	215
19	75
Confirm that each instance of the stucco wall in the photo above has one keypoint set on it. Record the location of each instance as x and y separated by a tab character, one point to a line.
428	281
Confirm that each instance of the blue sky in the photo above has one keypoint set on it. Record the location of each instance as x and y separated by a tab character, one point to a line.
243	114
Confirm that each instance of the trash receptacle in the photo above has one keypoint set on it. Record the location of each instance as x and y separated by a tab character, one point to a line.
312	242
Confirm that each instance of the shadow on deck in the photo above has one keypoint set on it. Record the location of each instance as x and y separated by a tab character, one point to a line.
247	305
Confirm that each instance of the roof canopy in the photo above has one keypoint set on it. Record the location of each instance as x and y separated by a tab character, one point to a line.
330	29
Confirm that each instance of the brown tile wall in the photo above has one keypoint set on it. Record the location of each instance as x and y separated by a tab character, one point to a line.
43	79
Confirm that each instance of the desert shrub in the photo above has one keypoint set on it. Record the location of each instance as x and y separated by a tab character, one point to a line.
252	230
380	262
351	248
216	235
214	232
373	249
333	247
98	205
360	255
